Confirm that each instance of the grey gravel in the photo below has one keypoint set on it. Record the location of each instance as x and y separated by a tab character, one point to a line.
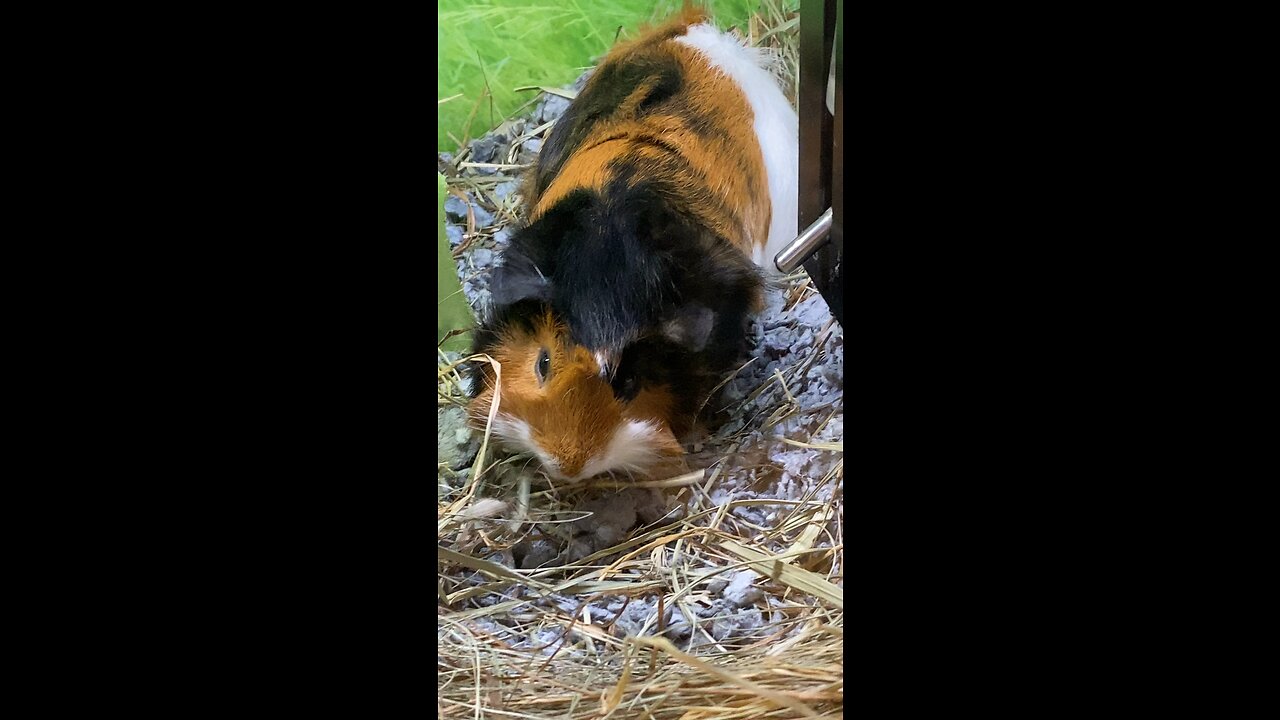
725	627
484	218
502	190
551	107
740	592
455	208
456	445
485	149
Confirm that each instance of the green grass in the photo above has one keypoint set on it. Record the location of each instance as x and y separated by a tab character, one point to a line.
516	43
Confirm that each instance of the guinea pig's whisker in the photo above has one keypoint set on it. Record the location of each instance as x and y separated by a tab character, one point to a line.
526	463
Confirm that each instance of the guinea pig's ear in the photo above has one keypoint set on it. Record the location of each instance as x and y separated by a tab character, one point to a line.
690	326
479	373
529	262
518	278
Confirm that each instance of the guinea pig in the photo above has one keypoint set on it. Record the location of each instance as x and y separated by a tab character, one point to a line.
655	208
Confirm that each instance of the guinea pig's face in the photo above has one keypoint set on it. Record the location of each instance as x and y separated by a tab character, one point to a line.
553	402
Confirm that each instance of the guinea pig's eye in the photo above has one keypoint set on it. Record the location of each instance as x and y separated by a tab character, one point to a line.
543	366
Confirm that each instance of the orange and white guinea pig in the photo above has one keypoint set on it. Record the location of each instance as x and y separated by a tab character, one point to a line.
655	209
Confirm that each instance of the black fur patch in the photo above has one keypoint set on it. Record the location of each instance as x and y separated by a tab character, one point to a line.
621	268
529	263
655	362
604	94
618	264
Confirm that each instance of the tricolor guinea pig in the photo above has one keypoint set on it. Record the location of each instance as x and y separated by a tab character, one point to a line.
655	209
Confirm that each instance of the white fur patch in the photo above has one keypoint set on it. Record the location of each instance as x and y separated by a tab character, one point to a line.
776	127
516	433
633	448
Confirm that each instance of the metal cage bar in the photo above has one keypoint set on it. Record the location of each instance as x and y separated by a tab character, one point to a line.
821	180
